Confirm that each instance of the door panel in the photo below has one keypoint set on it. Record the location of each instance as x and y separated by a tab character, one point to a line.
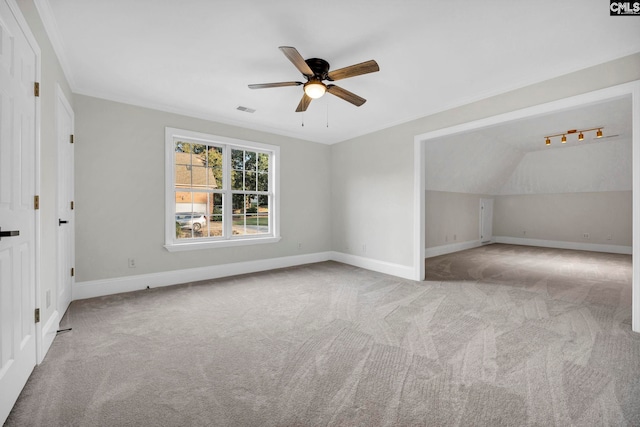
18	63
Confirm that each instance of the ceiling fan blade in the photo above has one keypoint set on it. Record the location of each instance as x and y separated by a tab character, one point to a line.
267	85
346	95
354	70
304	103
296	59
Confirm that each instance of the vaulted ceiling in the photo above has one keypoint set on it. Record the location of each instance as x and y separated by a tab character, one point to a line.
196	57
512	158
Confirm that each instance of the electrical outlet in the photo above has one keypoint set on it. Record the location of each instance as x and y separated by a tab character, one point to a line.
299	245
132	263
455	237
364	249
524	232
585	235
609	237
446	238
48	298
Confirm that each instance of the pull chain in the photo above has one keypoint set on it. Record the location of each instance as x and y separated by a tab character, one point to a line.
302	116
327	115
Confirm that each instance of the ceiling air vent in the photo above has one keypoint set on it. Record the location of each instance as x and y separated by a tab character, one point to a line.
246	109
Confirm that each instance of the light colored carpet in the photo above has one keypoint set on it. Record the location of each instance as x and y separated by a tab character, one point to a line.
499	335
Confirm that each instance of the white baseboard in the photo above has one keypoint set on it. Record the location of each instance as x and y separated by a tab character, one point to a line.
406	272
453	247
49	331
592	247
98	288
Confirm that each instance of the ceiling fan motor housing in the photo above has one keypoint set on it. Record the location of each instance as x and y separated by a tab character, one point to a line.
320	68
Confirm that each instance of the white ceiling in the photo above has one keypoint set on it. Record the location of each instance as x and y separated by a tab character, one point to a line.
196	57
512	158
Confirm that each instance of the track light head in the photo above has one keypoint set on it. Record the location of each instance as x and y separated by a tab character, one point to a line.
599	133
548	141
564	139
580	137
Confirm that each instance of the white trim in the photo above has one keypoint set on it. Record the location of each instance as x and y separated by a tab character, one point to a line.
97	288
103	287
557	244
51	27
62	100
398	270
171	243
454	247
49	331
635	154
618	91
419	209
210	244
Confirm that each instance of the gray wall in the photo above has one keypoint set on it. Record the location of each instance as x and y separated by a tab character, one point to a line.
372	180
51	76
451	217
120	192
605	216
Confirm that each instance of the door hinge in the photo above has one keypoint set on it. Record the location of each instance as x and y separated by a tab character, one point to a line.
36	315
71	139
36	89
72	205
73	271
36	202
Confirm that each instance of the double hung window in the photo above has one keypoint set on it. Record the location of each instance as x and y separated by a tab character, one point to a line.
220	191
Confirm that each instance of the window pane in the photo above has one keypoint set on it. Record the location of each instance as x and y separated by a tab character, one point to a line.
237	159
198	149
237	180
199	176
263	204
262	224
191	218
216	215
263	182
250	160
250	181
182	161
249	215
214	162
238	204
263	162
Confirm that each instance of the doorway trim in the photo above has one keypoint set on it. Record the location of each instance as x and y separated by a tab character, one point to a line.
62	140
627	89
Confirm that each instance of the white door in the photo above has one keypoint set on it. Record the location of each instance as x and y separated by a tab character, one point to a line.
18	61
486	220
66	244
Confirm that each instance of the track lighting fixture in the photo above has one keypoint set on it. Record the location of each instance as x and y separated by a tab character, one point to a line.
547	139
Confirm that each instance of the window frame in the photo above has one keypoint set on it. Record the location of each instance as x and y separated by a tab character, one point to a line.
172	244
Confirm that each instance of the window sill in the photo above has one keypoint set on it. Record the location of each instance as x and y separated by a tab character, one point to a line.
193	246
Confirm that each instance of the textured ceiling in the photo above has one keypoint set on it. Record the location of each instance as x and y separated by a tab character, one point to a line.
196	57
512	158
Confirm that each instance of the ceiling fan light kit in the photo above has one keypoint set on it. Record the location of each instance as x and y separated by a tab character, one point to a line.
314	89
547	140
316	70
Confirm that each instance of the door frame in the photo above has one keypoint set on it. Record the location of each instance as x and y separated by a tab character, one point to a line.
484	200
63	102
631	89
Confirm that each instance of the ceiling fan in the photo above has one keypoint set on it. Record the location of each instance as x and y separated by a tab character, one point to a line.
315	70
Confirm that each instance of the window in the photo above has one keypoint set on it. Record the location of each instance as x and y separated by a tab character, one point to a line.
219	191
